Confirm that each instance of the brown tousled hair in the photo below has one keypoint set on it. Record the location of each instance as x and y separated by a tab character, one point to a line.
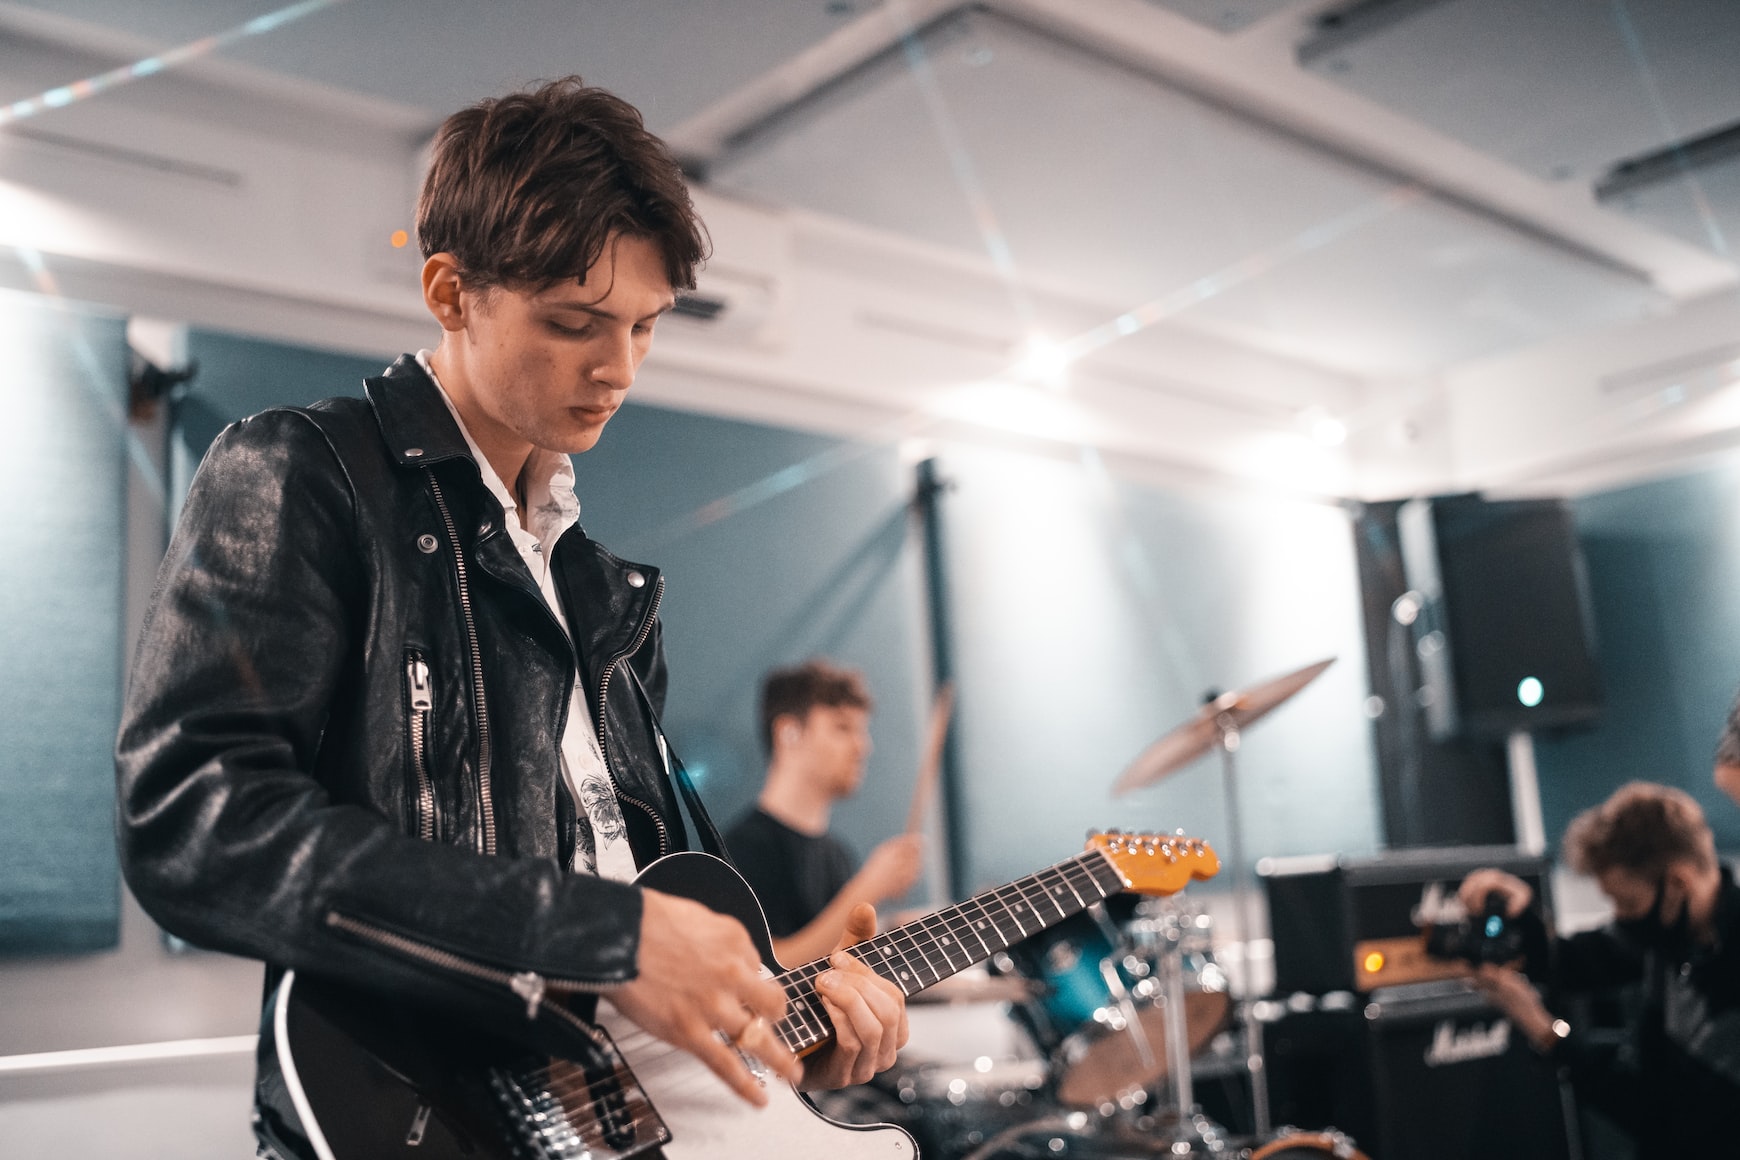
526	190
797	690
1643	828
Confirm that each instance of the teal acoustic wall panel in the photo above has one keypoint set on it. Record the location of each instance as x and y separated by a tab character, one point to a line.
1664	579
63	375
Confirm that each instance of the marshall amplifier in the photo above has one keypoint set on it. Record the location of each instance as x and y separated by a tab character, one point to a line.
1436	1076
1353	924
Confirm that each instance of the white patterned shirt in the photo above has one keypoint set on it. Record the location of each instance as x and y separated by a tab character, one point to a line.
600	847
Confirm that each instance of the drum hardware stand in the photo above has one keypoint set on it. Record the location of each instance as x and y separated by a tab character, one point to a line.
1229	739
1218	725
1120	993
1192	1132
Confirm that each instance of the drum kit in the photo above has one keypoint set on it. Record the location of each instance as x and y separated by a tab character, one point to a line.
1099	997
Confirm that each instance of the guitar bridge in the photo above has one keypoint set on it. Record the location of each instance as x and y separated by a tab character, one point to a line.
567	1111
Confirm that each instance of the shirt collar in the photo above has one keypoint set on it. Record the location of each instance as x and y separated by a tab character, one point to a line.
549	478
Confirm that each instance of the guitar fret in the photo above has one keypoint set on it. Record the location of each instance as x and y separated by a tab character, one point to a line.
918	977
800	1008
899	968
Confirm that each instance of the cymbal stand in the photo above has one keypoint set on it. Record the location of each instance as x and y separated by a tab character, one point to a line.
1246	899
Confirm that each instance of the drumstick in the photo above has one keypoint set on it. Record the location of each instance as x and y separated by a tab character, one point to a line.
930	768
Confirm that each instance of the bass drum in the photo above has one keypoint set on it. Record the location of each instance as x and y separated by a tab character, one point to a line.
1101	1055
1292	1145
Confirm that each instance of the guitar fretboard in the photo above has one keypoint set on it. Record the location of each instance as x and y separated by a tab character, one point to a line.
925	952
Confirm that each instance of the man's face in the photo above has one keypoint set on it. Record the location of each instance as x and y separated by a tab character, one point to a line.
1632	895
552	366
834	742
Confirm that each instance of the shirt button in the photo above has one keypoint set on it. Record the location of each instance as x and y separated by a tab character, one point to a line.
636	580
538	548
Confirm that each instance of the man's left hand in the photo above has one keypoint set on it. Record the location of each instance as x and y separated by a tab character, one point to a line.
1511	992
868	1012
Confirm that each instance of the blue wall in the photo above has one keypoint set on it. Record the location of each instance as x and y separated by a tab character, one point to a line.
1664	575
1093	614
62	464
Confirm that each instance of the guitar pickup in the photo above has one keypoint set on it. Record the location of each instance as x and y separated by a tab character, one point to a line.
565	1109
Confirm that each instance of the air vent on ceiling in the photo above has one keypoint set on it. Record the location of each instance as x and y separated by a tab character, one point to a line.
698	306
1670	163
731	302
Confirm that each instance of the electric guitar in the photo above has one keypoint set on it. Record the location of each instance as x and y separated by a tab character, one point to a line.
365	1079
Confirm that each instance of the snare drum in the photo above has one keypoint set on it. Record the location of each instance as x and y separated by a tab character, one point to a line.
1296	1145
1102	1056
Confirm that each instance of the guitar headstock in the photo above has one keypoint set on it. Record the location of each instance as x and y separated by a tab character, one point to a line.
1157	863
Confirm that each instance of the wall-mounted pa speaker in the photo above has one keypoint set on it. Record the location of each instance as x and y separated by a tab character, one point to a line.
1503	627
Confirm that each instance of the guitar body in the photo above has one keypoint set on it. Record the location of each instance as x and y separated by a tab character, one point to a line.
364	1079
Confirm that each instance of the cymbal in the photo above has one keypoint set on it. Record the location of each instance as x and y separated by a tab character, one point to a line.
1237	710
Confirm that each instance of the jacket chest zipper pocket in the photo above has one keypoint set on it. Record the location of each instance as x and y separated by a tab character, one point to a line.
420	708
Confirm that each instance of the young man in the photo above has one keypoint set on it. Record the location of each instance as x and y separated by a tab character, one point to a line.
1675	1086
394	717
815	726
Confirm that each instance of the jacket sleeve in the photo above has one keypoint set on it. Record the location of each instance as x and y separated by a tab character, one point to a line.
226	835
1594	959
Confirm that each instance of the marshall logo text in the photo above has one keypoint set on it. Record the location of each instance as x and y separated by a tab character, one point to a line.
1450	1045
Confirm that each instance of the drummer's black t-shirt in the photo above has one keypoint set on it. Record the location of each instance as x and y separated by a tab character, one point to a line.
794	875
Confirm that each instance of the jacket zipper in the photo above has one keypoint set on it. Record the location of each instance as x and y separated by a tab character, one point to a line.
485	803
422	708
530	986
598	717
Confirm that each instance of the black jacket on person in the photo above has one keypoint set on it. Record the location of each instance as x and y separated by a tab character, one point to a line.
292	788
1673	1081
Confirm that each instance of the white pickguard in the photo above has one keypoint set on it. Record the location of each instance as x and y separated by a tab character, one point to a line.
708	1121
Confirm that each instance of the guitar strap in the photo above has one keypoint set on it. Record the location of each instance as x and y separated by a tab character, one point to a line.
699	818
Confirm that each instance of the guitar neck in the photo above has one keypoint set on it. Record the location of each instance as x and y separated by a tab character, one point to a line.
923	953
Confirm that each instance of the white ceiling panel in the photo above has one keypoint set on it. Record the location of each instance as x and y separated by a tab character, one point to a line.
1562	88
1702	207
1419	289
1228	15
1131	191
670	58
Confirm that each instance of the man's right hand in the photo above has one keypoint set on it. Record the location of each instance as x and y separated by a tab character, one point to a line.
890	870
1478	885
700	978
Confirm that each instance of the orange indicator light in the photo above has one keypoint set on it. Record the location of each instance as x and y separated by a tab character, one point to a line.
1374	962
399	239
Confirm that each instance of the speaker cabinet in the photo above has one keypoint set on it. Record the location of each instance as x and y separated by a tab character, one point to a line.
1438	1077
1504	634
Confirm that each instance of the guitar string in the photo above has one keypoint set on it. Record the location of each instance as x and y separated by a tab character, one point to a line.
798	983
543	1081
949	919
701	1078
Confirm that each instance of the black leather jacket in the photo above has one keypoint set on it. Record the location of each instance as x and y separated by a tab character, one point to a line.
339	751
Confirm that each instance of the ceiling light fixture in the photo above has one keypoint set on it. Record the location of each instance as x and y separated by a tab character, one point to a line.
1325	429
1044	360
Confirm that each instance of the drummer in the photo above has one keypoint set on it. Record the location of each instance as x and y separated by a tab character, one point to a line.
815	725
